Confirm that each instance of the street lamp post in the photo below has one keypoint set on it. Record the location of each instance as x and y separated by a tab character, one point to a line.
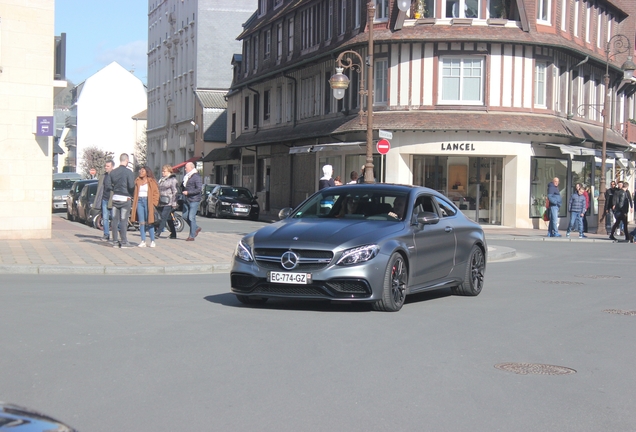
340	82
621	44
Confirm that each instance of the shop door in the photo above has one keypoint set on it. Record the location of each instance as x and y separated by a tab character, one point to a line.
484	190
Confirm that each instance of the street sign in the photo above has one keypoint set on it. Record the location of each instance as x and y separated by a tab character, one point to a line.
383	146
385	134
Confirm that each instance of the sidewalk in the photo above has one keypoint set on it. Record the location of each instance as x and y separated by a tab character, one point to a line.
77	249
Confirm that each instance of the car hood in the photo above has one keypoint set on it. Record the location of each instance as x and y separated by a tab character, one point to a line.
299	233
237	200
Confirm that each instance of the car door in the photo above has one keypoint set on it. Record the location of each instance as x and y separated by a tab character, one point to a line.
435	244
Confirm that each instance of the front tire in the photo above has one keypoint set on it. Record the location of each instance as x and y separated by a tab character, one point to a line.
246	300
474	277
98	222
395	282
179	223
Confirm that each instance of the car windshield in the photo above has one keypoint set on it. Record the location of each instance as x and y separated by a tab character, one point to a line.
63	184
354	203
235	192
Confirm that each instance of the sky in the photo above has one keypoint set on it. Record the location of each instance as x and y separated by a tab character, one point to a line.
100	32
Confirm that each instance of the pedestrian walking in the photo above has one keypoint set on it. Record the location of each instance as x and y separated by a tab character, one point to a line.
577	206
326	180
609	203
191	199
145	199
621	210
103	198
167	200
554	198
587	193
121	181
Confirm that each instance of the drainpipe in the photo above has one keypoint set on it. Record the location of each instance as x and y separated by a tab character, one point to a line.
259	101
571	99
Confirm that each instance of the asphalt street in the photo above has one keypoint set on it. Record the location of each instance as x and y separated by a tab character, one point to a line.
178	352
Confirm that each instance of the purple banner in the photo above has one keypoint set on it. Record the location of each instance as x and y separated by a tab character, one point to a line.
45	126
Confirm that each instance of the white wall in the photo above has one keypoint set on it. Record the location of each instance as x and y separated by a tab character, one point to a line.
105	108
26	92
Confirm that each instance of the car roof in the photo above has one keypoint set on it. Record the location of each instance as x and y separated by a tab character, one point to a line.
67	176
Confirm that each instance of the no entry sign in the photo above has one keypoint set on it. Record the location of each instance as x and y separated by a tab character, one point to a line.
383	146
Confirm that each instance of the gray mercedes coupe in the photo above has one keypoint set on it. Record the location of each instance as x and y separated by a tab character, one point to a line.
373	243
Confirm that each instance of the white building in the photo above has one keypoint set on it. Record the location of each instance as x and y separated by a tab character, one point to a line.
102	114
26	93
190	45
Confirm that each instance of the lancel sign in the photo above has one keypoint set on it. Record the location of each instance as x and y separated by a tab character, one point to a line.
465	147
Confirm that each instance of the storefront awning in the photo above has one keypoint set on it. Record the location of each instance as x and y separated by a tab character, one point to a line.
623	163
328	147
182	164
222	154
584	151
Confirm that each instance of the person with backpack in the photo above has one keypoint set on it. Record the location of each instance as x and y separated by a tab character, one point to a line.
554	198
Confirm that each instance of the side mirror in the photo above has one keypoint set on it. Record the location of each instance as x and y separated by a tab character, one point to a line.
427	218
284	213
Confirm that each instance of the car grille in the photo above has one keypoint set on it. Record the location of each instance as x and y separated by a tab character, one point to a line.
337	288
309	260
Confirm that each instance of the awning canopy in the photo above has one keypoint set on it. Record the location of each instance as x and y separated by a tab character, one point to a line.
182	164
584	151
222	154
315	148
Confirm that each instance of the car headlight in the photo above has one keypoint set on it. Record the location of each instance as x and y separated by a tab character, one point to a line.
358	255
244	252
223	203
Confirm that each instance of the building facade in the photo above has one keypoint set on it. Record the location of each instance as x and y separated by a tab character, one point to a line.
27	43
486	101
188	42
104	115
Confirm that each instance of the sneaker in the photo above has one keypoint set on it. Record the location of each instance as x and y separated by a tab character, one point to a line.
142	244
115	244
567	234
172	237
152	244
582	236
612	237
557	235
126	245
105	237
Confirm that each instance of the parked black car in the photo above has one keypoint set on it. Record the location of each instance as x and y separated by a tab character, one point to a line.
232	201
206	190
85	203
73	197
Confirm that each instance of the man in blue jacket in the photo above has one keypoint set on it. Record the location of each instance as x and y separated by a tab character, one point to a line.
554	197
577	208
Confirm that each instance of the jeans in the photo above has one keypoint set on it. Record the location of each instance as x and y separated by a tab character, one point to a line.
106	218
553	228
120	214
165	217
190	215
575	219
142	217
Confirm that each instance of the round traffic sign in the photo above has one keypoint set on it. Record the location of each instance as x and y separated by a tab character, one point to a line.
383	146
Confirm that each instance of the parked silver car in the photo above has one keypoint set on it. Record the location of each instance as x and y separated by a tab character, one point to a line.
362	243
62	183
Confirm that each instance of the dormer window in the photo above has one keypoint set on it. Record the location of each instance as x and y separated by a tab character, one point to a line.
262	7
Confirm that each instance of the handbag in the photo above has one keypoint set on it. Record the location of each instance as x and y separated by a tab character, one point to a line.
157	214
546	215
164	200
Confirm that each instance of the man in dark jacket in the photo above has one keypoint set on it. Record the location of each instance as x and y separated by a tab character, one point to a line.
191	199
577	208
554	197
609	203
621	210
121	181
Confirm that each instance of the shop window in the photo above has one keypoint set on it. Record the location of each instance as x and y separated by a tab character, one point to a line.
543	171
462	80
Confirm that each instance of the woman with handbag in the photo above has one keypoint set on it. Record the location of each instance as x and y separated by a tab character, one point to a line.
145	199
167	200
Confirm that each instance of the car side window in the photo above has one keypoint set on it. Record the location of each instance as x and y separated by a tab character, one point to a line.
424	203
446	209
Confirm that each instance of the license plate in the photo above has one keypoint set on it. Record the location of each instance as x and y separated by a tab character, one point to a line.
289	278
241	210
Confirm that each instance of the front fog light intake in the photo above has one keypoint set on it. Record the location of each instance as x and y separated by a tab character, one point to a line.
244	252
358	255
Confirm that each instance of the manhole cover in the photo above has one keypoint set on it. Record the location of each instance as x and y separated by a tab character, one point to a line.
534	369
557	282
621	312
600	276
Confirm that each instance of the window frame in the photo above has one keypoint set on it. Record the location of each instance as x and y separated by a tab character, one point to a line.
381	88
448	7
460	101
538	92
544	9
